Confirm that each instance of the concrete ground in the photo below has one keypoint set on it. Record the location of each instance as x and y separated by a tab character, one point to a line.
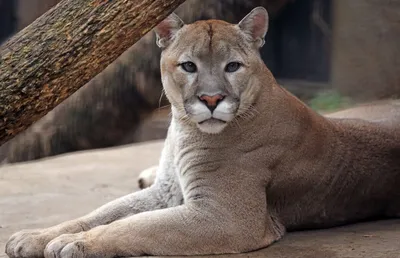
43	193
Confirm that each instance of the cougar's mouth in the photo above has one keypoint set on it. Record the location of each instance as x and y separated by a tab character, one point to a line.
213	121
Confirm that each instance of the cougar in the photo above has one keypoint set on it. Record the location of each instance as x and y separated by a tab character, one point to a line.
243	163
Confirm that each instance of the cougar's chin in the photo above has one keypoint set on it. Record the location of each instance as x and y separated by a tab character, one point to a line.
212	126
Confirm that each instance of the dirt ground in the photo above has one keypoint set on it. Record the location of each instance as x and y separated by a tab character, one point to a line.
43	193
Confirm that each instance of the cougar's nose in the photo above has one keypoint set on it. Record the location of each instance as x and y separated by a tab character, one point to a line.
211	101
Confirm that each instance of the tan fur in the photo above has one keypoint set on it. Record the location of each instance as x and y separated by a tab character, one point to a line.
236	186
386	111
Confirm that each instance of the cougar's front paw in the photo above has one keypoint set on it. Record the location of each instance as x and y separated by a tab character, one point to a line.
76	246
147	177
67	245
27	243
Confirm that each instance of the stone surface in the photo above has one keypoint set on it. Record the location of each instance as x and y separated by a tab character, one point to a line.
46	192
365	55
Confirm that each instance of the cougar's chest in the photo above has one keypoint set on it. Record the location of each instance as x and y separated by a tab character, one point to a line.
197	155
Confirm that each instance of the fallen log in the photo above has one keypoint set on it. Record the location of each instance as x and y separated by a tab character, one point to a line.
61	51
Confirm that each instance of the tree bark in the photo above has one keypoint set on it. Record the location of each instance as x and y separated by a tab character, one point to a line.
62	50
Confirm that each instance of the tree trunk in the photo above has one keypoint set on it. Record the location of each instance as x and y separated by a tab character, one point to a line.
100	114
62	50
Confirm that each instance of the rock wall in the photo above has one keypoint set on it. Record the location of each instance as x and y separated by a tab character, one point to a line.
366	48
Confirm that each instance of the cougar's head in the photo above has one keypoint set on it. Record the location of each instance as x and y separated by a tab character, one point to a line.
209	68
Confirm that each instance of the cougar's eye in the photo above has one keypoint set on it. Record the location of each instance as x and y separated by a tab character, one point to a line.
232	67
189	67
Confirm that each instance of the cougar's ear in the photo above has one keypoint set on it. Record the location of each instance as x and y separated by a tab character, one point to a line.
255	24
166	30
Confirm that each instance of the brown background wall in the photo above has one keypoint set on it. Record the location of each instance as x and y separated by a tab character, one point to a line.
366	48
29	10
